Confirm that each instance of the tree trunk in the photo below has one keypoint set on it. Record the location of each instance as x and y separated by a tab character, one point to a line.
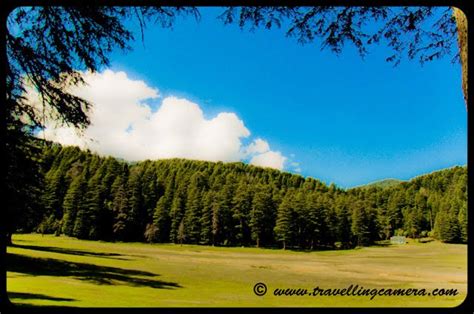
461	23
431	215
4	301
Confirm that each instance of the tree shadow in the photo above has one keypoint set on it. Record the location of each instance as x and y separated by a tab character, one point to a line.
306	250
69	251
425	240
102	275
382	244
36	306
23	295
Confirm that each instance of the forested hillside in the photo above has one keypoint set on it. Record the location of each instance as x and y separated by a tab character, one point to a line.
183	201
382	183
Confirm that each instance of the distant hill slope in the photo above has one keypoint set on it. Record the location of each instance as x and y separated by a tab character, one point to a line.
385	183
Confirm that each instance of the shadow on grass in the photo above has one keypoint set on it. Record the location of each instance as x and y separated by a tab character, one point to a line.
308	250
36	306
102	275
69	251
22	295
382	244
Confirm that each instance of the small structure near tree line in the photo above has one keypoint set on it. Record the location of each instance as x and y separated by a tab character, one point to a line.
398	240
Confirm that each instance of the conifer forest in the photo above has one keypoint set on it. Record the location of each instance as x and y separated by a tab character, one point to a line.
87	196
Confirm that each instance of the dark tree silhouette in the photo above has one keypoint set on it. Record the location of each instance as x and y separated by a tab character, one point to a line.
461	21
47	48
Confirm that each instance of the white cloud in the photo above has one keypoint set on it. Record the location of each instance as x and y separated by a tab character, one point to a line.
262	156
269	159
124	125
258	146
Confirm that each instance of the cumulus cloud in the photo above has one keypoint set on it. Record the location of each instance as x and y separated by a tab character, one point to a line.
269	159
258	146
262	156
124	125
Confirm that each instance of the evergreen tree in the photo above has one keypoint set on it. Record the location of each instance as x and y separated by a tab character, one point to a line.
149	190
177	212
181	236
161	216
284	228
360	224
414	222
93	208
206	220
447	226
344	234
261	216
226	234
331	229
242	205
316	220
161	220
73	201
193	209
394	217
151	233
55	191
303	228
82	224
137	213
217	222
454	231
120	207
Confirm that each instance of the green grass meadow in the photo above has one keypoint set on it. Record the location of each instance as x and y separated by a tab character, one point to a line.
62	271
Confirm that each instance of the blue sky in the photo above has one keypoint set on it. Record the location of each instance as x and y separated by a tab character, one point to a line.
341	118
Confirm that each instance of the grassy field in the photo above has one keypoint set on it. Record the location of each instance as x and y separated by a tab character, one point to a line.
49	270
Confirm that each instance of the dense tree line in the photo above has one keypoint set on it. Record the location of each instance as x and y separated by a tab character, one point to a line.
184	201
